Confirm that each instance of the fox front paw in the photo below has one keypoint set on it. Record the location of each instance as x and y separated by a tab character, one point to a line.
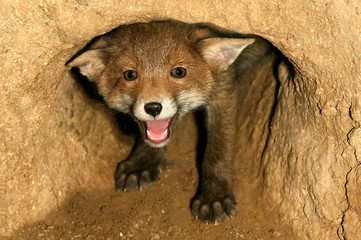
129	177
211	210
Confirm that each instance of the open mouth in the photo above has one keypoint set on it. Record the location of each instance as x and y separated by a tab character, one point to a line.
157	131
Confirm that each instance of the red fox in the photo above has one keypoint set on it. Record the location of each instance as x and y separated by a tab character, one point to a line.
159	71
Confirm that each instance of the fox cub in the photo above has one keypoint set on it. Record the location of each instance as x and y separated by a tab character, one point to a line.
157	72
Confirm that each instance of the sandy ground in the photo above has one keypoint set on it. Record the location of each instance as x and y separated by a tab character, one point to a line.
160	211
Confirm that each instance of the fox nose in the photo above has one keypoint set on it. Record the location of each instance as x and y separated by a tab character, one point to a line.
153	108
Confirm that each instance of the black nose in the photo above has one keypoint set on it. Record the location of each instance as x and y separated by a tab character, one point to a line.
153	108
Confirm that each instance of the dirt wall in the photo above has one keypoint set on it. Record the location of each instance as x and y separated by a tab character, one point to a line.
55	140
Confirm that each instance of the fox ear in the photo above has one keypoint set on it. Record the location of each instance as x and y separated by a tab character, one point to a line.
89	63
222	52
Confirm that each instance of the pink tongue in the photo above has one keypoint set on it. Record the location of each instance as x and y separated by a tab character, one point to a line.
157	130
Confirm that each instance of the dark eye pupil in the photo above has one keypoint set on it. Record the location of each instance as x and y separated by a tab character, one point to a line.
130	75
179	72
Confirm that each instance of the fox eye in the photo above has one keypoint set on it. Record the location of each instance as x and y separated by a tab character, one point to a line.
130	75
178	72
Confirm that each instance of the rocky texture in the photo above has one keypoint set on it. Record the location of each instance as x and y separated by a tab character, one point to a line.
55	140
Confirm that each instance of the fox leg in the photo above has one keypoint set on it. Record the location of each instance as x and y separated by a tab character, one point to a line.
140	169
214	199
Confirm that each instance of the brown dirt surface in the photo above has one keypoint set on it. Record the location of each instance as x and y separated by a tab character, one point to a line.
160	211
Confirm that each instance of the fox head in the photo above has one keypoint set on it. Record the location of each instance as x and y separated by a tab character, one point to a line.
157	71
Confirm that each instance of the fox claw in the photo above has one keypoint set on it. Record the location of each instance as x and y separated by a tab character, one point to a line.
213	211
